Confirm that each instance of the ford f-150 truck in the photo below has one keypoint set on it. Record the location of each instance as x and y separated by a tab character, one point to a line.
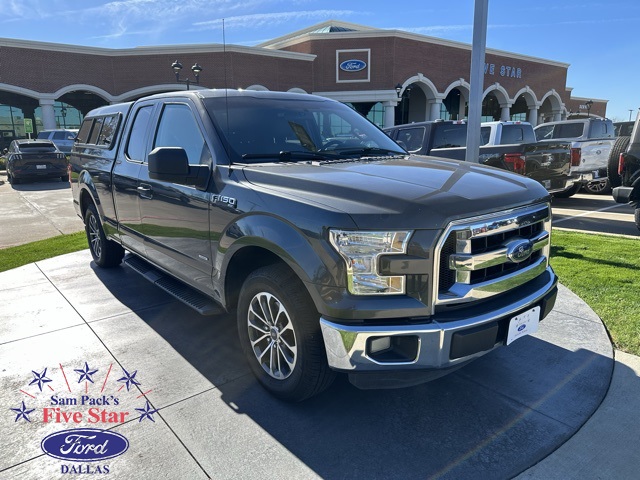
508	145
337	250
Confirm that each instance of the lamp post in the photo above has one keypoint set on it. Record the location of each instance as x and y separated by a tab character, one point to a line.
196	69
630	112
588	104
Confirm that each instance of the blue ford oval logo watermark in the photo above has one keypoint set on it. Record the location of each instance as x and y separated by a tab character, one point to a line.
519	250
84	445
522	327
353	65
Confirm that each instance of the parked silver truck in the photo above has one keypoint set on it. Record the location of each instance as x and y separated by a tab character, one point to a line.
592	140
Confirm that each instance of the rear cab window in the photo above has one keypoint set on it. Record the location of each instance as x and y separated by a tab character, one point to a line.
450	136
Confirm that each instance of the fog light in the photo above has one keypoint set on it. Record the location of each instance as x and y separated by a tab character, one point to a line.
379	344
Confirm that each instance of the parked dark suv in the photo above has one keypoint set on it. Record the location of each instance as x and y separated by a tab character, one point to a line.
35	159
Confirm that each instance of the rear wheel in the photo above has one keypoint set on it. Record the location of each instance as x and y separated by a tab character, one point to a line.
598	187
619	147
570	192
280	334
106	253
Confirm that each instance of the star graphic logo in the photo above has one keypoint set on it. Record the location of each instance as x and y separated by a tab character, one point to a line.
86	373
39	378
146	412
129	379
23	412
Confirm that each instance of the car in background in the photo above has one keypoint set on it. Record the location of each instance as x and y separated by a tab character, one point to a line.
30	159
591	142
63	138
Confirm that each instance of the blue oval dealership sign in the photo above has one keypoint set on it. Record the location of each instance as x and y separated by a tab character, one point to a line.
84	445
353	65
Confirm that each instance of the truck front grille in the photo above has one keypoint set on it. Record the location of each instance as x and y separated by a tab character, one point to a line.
485	256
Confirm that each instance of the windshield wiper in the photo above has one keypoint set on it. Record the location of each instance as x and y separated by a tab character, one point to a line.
369	151
286	156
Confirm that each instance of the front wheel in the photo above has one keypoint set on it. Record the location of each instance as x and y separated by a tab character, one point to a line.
105	253
280	334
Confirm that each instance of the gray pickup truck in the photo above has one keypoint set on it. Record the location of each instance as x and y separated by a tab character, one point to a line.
508	145
337	250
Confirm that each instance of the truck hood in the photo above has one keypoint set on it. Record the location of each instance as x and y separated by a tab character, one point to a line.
411	192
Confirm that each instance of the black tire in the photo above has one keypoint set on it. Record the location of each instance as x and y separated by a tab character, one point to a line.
287	356
637	217
570	192
598	187
13	180
619	147
106	253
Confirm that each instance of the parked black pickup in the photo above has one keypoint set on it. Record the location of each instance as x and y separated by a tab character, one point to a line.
507	145
337	250
629	171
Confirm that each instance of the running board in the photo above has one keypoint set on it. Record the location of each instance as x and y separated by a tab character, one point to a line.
196	300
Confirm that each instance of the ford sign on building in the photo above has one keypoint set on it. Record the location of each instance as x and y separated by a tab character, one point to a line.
353	65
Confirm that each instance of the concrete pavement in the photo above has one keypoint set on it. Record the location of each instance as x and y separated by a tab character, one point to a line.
524	409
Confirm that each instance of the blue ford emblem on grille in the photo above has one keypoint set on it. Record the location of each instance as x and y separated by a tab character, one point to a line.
519	250
84	445
353	65
521	327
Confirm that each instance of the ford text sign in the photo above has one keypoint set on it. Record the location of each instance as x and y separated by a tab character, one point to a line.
84	445
353	65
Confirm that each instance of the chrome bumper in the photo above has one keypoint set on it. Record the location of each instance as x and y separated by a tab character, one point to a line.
346	345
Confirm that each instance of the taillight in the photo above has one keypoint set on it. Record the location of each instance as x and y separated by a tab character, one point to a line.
621	164
516	161
575	157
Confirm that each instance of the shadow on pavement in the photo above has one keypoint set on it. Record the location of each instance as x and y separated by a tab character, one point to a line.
492	419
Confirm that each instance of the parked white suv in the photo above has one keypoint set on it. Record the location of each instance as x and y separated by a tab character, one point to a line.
63	138
592	139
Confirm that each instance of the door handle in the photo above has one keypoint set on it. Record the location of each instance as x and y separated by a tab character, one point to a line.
145	191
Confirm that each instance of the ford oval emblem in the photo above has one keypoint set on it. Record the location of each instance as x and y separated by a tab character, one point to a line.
521	327
353	65
519	250
84	445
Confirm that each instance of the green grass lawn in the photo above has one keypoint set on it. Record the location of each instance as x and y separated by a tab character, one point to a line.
603	270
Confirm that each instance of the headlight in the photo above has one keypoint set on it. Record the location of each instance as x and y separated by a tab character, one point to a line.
361	250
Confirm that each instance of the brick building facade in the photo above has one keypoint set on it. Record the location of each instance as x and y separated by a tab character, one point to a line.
392	76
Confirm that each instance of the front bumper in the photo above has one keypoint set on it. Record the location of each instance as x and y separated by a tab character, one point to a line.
433	345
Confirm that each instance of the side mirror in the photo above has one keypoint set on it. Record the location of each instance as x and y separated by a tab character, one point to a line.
171	164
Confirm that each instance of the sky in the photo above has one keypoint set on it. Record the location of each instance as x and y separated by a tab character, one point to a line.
597	38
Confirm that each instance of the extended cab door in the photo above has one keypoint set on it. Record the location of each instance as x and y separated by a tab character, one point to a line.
126	189
175	218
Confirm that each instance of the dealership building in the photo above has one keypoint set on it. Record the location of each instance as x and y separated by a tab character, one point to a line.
391	76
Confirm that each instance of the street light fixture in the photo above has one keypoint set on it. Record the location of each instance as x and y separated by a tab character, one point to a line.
588	104
196	69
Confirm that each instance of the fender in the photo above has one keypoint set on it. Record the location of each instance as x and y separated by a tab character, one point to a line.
87	185
309	256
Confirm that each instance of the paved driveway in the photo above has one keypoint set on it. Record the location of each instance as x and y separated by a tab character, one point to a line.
207	417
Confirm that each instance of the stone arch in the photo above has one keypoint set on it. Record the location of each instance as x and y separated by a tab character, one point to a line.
419	100
456	100
499	92
551	107
528	94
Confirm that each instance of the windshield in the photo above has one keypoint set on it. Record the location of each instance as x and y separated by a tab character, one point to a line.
258	129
